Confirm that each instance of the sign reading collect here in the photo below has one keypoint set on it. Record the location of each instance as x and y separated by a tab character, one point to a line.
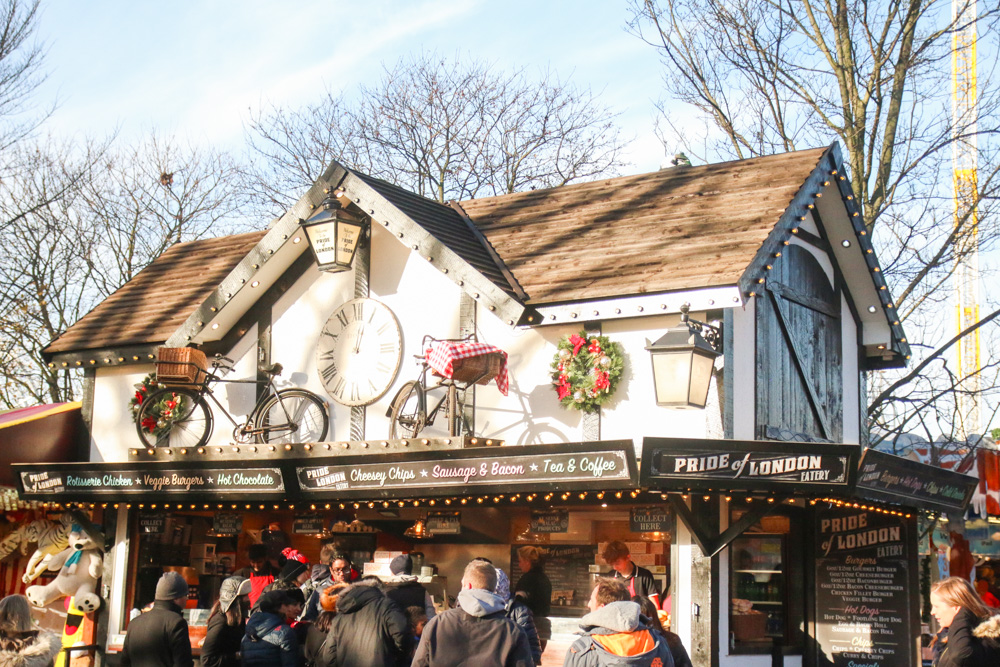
87	480
469	471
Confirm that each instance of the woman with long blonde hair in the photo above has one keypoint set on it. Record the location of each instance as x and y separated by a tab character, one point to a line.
22	644
973	634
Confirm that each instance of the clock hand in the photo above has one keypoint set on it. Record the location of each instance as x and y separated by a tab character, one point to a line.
357	339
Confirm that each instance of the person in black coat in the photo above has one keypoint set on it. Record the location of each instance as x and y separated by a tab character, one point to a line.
535	589
972	633
226	624
369	630
159	637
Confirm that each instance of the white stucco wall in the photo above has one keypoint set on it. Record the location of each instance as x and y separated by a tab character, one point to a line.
426	302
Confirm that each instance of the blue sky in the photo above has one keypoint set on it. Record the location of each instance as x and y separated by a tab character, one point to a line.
195	69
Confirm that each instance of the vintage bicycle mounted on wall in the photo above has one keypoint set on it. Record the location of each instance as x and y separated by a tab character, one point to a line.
457	364
180	416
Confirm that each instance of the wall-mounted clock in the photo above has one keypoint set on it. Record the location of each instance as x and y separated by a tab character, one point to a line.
359	352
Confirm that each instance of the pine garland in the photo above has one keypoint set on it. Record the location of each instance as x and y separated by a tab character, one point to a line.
161	416
586	370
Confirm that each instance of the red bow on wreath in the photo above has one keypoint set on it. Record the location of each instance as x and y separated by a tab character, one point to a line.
577	342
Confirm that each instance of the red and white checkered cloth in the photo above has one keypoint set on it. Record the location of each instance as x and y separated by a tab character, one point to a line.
442	354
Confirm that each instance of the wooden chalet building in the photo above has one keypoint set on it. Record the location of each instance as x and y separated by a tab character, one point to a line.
754	506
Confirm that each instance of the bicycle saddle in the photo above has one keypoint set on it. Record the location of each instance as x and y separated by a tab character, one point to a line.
273	369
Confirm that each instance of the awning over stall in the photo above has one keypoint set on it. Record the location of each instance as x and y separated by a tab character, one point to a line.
41	434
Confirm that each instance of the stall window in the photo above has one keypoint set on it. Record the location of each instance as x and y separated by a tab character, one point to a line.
766	584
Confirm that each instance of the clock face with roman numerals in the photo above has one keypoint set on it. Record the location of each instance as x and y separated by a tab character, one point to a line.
359	352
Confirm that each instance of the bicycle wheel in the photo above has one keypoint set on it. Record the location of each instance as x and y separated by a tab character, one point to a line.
299	416
174	417
408	414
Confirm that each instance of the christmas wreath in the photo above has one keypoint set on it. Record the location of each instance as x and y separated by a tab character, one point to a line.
586	370
160	416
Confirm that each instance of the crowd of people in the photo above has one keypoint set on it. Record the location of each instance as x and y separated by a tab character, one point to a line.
332	617
295	616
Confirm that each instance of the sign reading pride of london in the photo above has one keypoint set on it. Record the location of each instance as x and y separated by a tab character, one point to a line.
746	465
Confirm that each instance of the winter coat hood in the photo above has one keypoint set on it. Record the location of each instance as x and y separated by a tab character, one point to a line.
357	597
478	602
988	629
39	653
613	617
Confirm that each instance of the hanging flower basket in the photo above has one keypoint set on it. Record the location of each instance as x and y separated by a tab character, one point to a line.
586	370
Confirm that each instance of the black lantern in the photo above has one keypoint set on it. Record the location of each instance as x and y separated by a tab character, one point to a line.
334	235
683	361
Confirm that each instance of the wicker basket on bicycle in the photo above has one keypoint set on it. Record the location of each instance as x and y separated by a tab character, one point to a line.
181	366
479	369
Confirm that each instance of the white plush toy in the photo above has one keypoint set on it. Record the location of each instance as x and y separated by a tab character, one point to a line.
79	567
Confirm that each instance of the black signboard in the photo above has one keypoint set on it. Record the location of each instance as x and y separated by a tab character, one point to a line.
188	479
747	465
225	523
598	465
309	524
865	573
444	522
891	478
567	568
649	520
556	521
152	523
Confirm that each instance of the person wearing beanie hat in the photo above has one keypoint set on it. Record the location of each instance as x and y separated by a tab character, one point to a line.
294	572
159	637
404	589
227	624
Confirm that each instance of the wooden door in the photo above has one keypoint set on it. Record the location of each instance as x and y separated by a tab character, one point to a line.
799	352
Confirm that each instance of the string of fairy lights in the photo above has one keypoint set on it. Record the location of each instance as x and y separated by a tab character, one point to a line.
602	497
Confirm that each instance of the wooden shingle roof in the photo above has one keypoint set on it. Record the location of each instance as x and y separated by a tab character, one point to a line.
680	228
157	301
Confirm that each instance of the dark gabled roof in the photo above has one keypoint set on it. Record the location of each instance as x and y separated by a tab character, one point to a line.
680	228
448	226
157	301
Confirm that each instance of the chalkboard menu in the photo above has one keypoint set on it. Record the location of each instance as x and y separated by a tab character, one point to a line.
568	568
863	584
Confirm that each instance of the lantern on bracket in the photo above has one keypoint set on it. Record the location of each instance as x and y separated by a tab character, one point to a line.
683	361
334	235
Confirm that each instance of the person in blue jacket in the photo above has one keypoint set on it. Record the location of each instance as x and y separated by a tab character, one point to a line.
269	640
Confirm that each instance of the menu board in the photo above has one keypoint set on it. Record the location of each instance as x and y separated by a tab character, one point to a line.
863	613
603	465
88	480
898	480
568	568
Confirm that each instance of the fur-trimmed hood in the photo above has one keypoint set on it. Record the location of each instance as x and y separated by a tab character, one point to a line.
989	629
39	653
